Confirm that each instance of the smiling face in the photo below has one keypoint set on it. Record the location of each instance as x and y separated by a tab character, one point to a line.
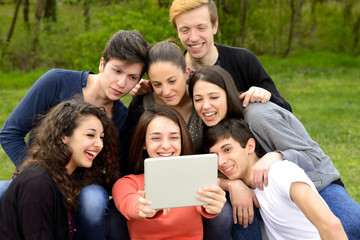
163	138
233	160
117	77
168	81
86	142
210	102
196	32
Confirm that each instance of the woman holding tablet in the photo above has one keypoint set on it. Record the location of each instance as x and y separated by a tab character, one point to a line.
161	132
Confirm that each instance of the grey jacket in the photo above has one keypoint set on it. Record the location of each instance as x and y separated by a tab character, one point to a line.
277	129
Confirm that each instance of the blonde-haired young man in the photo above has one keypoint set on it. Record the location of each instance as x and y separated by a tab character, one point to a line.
196	22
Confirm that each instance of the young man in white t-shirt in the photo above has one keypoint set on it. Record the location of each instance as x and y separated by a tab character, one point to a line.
290	205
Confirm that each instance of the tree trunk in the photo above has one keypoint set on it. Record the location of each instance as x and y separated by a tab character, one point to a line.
296	7
86	5
50	10
18	3
244	9
26	14
356	33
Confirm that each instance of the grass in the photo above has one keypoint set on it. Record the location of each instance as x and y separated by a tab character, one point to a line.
321	88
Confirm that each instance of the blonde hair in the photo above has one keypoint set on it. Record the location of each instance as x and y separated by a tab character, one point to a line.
181	6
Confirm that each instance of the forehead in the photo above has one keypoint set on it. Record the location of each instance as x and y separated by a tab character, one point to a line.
89	121
205	87
163	69
134	68
222	142
162	125
200	15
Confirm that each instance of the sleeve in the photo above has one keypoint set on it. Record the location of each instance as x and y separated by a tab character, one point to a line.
259	77
202	211
274	133
36	208
283	174
125	196
38	99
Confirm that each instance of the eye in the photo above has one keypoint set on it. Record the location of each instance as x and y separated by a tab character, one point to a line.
134	78
102	138
156	85
228	149
172	81
90	135
197	99
214	97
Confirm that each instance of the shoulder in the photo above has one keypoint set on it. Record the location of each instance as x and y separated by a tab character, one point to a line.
234	51
60	76
286	172
34	181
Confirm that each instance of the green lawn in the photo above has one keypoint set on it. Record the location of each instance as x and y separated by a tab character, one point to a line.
324	95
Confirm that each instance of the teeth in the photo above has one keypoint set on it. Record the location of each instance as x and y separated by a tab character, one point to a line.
197	46
209	114
165	154
90	153
227	170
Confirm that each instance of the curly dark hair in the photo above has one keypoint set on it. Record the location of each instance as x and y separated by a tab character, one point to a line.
48	150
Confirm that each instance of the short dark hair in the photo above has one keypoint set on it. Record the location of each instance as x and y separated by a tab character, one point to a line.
231	127
137	155
129	46
220	77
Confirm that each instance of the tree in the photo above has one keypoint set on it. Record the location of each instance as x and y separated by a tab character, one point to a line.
296	8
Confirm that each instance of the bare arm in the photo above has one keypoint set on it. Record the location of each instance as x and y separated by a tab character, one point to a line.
242	199
316	210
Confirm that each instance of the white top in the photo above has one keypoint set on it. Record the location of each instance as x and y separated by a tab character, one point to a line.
283	219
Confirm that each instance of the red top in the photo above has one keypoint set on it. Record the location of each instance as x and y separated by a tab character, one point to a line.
183	223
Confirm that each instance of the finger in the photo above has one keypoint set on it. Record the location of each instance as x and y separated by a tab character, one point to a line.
240	216
266	179
234	215
255	201
246	100
251	215
245	218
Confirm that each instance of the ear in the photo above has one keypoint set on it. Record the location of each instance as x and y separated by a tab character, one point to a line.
64	138
215	27
144	147
101	65
187	72
250	146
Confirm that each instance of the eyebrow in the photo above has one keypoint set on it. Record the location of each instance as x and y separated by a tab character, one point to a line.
158	133
225	145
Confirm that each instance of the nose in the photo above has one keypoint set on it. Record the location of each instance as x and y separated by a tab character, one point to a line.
99	143
166	90
221	160
165	143
206	104
194	35
121	81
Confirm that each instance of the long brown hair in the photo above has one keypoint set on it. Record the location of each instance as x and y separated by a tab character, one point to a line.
137	155
48	150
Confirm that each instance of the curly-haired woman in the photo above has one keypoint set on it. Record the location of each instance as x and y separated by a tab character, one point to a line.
75	145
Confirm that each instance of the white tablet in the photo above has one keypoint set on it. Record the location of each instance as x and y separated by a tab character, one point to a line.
172	182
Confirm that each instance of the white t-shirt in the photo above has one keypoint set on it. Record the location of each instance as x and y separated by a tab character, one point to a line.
283	219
